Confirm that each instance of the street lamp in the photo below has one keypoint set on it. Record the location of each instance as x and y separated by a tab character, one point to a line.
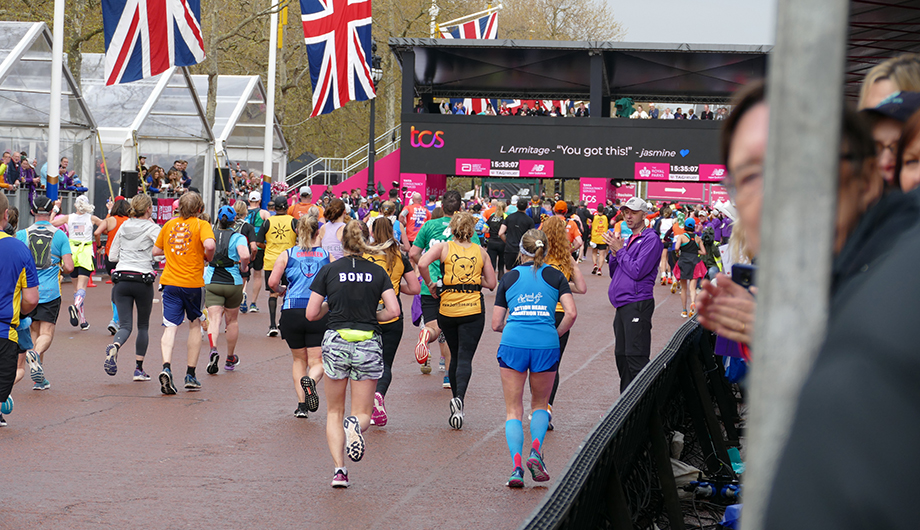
376	76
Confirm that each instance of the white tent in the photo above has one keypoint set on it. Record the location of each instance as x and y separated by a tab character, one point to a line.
160	118
25	92
239	123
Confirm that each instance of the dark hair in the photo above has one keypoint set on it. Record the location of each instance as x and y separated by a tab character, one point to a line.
121	208
522	204
908	134
437	213
744	100
383	232
477	207
225	224
450	202
859	143
335	210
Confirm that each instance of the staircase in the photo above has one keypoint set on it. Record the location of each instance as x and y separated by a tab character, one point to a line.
326	170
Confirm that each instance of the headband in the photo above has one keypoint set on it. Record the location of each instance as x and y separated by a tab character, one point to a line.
538	243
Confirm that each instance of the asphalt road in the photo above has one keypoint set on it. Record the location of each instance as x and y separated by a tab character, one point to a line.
105	452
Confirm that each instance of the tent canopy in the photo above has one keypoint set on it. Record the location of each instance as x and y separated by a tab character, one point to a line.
555	69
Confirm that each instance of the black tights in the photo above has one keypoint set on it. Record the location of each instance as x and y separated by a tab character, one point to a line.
126	295
272	310
496	250
391	334
563	340
462	335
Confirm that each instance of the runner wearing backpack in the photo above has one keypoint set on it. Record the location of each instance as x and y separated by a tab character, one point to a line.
50	249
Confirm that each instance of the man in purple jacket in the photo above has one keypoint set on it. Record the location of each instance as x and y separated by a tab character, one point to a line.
633	267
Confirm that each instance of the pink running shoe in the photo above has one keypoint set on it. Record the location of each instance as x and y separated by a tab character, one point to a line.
379	415
421	349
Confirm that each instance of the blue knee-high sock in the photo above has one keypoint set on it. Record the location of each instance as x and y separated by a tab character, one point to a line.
514	435
539	422
114	312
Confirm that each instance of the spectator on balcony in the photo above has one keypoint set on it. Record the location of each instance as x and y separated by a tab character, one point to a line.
524	110
11	176
582	111
706	114
691	115
444	107
27	178
678	115
667	114
639	114
504	110
652	111
488	111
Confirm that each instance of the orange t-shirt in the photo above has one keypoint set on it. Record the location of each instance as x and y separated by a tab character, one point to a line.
182	240
416	216
571	231
300	209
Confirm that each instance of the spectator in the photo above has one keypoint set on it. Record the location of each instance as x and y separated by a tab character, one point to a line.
707	114
720	114
582	111
524	110
652	111
12	169
420	108
678	115
444	107
691	115
898	73
488	111
504	110
639	114
667	115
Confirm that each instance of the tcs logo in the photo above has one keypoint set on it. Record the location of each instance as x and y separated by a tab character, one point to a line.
419	138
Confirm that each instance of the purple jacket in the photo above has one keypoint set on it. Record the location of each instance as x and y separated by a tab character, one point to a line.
633	269
726	230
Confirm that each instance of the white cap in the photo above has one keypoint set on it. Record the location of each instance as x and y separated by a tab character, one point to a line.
636	204
305	190
514	199
255	196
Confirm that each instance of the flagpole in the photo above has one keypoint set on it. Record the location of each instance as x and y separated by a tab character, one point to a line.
456	21
270	107
54	109
433	11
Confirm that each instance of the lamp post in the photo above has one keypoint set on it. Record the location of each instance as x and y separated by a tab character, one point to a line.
376	75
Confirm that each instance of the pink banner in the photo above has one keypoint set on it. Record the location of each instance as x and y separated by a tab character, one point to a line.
717	193
677	191
163	210
473	167
595	191
626	191
651	171
711	172
537	168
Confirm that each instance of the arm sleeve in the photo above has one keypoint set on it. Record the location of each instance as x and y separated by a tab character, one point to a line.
556	280
205	231
421	239
407	265
29	268
643	261
115	249
263	231
161	235
319	281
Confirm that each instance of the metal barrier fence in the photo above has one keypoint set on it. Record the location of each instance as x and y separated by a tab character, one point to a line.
621	476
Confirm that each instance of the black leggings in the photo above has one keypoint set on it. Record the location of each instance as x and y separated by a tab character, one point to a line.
126	295
462	335
496	249
563	340
391	334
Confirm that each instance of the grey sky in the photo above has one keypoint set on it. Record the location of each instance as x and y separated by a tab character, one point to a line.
697	21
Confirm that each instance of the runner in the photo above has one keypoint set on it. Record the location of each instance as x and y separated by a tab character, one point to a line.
223	280
278	233
559	257
81	225
398	267
302	208
689	267
118	214
19	294
256	217
414	217
131	254
495	246
187	242
352	347
298	265
530	343
39	237
330	234
434	231
662	227
599	226
513	228
461	313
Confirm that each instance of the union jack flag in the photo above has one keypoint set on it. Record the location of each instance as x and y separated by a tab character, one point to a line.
482	28
338	38
144	38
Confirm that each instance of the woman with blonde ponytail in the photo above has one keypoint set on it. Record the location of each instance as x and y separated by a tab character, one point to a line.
528	294
299	264
349	290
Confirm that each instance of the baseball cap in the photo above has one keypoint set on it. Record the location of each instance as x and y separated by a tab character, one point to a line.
279	202
690	223
560	207
255	196
305	190
226	213
636	204
899	106
43	204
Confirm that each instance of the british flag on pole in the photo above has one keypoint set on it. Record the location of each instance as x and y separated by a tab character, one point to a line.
338	38
144	38
481	28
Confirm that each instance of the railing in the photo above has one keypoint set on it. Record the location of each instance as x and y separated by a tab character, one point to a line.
329	170
622	477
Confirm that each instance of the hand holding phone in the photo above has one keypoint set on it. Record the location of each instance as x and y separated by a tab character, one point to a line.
743	275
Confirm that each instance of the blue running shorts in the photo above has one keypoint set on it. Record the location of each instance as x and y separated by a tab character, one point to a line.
524	359
179	302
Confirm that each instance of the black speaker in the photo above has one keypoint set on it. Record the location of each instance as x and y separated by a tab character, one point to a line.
222	179
129	183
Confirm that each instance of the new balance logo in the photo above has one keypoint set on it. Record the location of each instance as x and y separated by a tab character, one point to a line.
635	321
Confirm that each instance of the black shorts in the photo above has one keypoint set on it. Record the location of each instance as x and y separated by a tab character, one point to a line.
9	359
109	265
80	271
47	311
431	306
601	246
268	274
299	332
258	262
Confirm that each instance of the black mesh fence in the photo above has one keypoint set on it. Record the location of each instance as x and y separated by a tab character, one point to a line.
621	477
